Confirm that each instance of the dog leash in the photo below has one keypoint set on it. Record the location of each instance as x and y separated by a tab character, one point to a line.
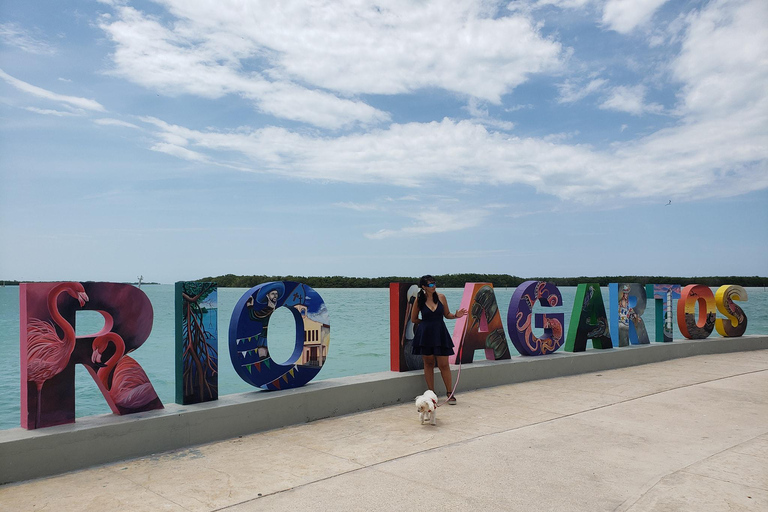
458	375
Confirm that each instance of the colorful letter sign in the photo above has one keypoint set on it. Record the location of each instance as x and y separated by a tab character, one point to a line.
627	307
197	332
736	321
402	300
519	318
481	328
588	320
50	350
691	326
663	294
248	344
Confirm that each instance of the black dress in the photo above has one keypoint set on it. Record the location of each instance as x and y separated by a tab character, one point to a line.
432	337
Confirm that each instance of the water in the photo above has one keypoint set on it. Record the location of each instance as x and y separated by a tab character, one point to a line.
359	339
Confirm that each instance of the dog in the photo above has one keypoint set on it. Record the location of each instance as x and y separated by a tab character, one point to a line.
426	404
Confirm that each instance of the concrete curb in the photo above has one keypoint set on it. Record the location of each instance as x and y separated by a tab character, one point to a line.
28	454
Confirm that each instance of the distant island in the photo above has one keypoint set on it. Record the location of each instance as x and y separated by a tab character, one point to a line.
458	280
16	283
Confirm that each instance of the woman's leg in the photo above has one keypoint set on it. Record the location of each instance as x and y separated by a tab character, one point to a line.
429	371
445	372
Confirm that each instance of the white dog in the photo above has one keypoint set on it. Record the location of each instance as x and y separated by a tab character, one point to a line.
426	404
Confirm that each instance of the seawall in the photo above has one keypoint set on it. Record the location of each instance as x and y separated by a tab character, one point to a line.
27	454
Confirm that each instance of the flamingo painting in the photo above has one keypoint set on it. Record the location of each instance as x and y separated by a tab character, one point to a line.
129	387
47	353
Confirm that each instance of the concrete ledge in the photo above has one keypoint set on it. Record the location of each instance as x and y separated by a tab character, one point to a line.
27	454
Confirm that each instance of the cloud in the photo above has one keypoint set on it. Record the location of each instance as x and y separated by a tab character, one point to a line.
690	160
49	112
434	220
359	207
722	62
630	100
624	16
187	60
563	4
48	95
480	115
343	50
178	151
717	145
446	215
571	92
105	121
14	35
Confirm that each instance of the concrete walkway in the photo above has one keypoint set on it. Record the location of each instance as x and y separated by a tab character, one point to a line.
687	434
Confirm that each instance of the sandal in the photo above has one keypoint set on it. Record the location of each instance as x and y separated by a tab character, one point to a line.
451	400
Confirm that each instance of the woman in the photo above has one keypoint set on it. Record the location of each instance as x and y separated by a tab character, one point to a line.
432	340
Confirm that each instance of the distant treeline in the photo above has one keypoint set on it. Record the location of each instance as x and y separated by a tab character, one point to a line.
16	283
458	280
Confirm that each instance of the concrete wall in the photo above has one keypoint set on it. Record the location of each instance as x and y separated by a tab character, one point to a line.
27	454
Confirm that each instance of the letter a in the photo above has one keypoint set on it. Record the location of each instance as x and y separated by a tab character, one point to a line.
588	320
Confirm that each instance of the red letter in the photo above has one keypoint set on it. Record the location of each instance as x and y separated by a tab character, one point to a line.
50	350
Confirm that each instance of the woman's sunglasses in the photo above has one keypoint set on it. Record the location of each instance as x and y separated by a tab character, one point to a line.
431	285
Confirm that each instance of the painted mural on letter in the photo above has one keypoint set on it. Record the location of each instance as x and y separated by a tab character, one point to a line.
691	325
402	300
197	361
628	301
248	335
735	323
481	328
50	350
588	320
663	295
520	316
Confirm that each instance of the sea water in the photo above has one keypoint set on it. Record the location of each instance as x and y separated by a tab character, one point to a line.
359	320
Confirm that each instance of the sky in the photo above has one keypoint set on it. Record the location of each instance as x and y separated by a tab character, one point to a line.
179	139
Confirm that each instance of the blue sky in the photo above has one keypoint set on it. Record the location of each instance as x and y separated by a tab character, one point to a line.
178	139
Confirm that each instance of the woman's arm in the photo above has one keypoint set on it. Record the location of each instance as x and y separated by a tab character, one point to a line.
446	310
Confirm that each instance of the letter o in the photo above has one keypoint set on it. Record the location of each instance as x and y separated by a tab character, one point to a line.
248	343
690	326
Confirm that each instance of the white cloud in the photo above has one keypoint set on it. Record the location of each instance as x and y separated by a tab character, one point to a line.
306	61
434	220
445	215
630	100
186	60
105	121
624	16
719	145
515	108
685	161
14	35
565	4
178	151
359	207
480	115
48	95
723	63
571	92
50	112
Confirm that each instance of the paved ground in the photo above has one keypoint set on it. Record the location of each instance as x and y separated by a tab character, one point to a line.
683	435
